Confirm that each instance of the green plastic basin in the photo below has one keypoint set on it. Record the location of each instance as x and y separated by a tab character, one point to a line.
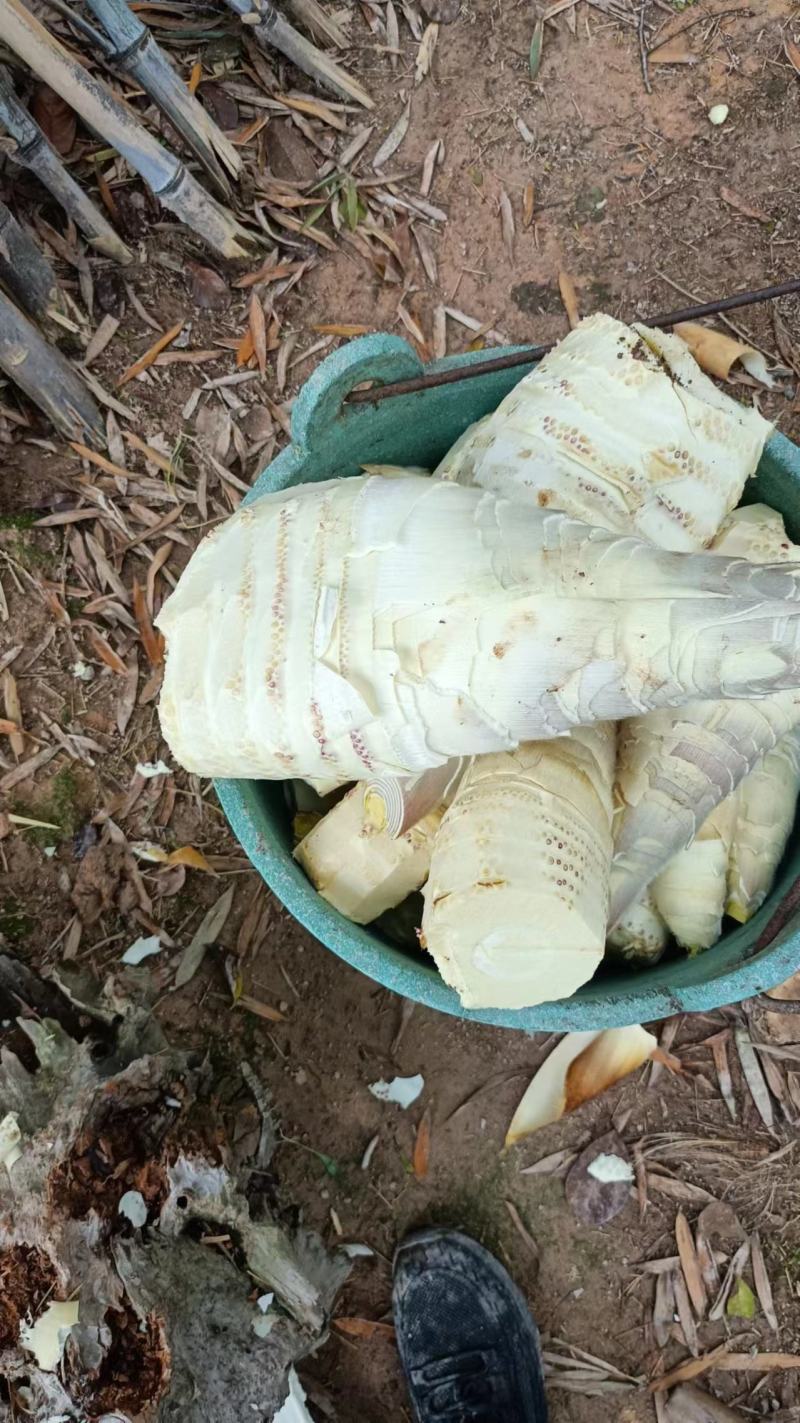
330	439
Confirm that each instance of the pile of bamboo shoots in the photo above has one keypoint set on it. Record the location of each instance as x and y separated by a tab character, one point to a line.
559	678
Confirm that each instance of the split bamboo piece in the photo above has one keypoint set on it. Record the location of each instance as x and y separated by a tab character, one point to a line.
24	269
47	378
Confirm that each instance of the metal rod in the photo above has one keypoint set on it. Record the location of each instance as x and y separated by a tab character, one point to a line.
534	353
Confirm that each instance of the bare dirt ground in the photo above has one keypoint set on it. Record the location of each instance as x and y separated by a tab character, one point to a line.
644	204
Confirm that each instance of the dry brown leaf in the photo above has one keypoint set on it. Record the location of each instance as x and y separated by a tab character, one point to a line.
507	222
690	1265
792	49
190	857
735	201
363	1328
690	1370
106	653
754	1077
208	289
674	51
719	1048
664	1308
569	296
55	118
762	1282
258	331
149	356
100	460
424	59
683	1191
13	713
685	1316
522	1230
422	1146
692	1405
528	198
718	353
261	1010
152	641
339	329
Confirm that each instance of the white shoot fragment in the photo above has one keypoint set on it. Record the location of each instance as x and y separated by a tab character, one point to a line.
134	1207
10	1137
294	1409
148	769
82	671
263	1325
47	1338
401	1090
718	113
142	949
607	1168
264	1301
357	1252
366	1160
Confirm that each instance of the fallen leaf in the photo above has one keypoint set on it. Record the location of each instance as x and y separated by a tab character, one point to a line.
719	1048
339	329
685	1316
689	1370
192	858
13	713
220	104
734	201
792	49
555	1164
55	118
363	1328
736	1267
718	353
664	1308
688	1404
402	1091
598	1186
690	1265
393	139
152	641
106	653
758	1363
569	296
684	1191
150	354
535	53
580	1067
674	51
522	1230
761	1280
422	1146
258	331
507	222
741	1302
207	932
527	204
424	59
754	1077
261	1010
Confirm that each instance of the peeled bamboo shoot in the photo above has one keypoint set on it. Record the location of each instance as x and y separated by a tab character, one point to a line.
691	892
363	872
620	427
767	802
380	626
640	936
516	909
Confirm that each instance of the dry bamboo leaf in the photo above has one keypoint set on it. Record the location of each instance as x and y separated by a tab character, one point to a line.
683	1191
424	59
688	1404
207	932
685	1316
190	857
580	1067
422	1146
718	353
733	1272
792	49
149	356
14	713
340	329
757	1363
690	1265
522	1229
569	296
528	198
719	1048
746	209
106	653
363	1328
761	1281
393	139
439	332
692	1369
261	1010
663	1308
706	1259
152	641
429	167
556	1164
58	122
674	51
105	331
754	1077
258	331
640	1172
127	698
507	222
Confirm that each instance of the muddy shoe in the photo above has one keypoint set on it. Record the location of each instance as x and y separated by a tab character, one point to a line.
468	1345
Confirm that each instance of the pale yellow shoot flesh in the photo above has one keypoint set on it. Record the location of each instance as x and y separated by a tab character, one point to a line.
765	815
640	936
517	899
691	892
361	871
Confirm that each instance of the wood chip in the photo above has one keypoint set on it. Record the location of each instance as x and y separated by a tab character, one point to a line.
762	1283
690	1265
754	1077
149	356
569	297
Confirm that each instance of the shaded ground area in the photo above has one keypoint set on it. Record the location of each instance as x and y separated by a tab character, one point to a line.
644	204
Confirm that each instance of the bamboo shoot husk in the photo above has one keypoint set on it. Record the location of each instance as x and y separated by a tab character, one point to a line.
169	179
136	52
381	626
33	151
361	871
47	378
516	907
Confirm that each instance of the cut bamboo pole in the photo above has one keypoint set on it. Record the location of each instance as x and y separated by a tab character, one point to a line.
271	29
34	152
46	377
136	52
107	115
24	269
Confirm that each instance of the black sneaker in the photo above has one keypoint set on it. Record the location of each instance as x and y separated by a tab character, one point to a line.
467	1342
